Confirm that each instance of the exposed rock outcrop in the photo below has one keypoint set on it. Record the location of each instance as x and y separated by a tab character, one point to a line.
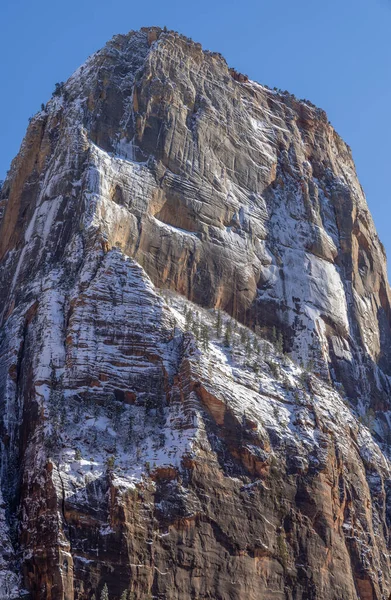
156	441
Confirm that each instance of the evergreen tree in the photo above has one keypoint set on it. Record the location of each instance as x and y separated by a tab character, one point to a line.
369	419
304	379
94	438
58	89
129	433
233	338
205	336
118	409
310	365
124	595
104	595
228	334
266	350
56	400
188	320
196	327
218	324
248	347
243	335
280	343
110	463
63	416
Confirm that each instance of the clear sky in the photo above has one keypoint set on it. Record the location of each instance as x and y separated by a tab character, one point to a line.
336	53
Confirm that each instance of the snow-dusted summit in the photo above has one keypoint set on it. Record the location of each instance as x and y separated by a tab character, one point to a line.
195	343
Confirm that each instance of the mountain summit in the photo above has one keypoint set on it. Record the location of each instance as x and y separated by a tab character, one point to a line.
195	350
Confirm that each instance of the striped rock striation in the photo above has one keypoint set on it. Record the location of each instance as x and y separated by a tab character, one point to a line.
195	350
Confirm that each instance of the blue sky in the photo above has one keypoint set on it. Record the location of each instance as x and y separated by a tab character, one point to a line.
336	53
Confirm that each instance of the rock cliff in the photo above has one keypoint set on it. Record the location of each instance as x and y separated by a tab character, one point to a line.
195	351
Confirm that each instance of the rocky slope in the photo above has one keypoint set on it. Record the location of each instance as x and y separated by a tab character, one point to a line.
195	343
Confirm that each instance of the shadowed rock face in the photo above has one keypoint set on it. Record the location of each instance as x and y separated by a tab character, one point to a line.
141	447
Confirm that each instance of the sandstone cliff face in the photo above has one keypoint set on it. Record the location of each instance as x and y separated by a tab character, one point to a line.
143	445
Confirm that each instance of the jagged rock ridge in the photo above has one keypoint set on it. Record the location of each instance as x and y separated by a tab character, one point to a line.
145	445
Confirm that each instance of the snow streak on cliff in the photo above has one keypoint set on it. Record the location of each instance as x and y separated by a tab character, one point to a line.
194	345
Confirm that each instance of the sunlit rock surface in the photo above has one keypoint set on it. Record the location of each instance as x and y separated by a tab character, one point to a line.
165	220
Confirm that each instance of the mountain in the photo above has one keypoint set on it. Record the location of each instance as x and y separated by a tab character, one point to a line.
195	350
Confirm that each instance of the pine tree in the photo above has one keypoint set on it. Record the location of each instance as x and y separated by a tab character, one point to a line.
233	337
58	89
129	433
196	327
228	334
56	400
94	438
280	343
218	323
188	320
368	419
310	365
63	416
110	463
248	347
205	336
104	595
124	595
